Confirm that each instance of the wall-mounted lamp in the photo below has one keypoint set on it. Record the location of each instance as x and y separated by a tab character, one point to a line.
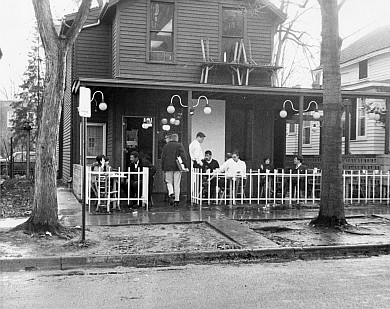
102	104
283	112
148	123
171	108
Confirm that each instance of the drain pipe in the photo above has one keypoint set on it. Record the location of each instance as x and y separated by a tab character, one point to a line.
101	14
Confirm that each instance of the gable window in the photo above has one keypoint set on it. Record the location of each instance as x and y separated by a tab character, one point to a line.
161	31
363	69
232	32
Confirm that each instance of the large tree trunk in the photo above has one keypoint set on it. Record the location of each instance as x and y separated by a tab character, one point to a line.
44	216
332	206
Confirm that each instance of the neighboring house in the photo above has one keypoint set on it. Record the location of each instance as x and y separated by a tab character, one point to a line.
143	55
6	115
364	66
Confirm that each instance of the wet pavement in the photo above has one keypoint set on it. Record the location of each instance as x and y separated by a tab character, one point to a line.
70	212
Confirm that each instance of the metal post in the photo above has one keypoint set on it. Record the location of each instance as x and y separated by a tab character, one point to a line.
187	142
347	105
387	127
28	155
300	125
84	177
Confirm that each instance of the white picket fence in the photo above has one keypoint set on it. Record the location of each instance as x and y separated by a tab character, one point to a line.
285	187
103	189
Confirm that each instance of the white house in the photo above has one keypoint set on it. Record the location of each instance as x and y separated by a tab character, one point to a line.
365	66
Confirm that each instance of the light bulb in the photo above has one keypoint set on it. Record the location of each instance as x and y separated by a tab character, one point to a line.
164	121
316	115
283	113
166	127
207	110
170	109
177	122
102	106
172	120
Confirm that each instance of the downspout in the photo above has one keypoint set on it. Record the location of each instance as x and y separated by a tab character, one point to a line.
103	11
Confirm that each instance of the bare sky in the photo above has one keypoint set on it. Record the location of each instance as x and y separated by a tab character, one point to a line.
357	17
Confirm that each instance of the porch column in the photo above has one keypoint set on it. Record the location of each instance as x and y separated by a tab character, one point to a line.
188	140
347	109
387	126
300	125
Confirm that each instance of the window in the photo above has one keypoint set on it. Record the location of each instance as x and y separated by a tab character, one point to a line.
96	141
10	118
291	128
306	131
241	136
363	69
161	31
357	119
232	32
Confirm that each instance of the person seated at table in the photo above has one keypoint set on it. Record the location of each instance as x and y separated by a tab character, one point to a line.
136	165
263	169
100	165
233	168
209	166
298	168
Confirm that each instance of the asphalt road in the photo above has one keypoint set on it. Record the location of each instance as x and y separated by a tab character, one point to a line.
346	283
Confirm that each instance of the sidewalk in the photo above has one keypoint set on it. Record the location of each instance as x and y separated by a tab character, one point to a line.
171	236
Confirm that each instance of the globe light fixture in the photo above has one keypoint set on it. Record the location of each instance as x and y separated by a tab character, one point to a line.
164	121
283	112
172	120
166	127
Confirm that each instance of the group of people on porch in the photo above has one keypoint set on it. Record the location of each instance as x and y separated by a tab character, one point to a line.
173	152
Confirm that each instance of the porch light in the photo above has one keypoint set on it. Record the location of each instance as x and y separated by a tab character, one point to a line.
206	110
172	120
283	112
164	121
102	104
166	127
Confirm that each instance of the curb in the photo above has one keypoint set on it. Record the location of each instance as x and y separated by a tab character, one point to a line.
183	258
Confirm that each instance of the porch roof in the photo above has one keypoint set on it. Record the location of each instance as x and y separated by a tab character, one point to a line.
255	90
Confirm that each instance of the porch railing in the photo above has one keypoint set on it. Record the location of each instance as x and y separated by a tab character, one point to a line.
279	186
103	189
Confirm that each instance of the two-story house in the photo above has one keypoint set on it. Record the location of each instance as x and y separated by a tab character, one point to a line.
142	56
364	66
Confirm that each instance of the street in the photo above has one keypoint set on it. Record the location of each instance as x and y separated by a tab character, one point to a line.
345	283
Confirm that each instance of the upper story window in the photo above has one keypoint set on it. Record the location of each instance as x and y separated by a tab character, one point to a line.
10	118
232	32
161	31
363	69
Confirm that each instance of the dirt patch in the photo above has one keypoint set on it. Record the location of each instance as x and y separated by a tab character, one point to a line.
116	240
300	233
17	197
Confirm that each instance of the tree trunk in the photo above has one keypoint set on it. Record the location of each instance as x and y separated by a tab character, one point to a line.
332	205
44	216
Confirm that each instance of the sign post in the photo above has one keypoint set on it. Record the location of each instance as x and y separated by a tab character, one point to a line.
84	112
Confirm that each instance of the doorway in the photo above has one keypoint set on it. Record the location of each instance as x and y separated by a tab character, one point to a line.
138	135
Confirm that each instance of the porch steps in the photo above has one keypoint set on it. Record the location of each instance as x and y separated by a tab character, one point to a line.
241	234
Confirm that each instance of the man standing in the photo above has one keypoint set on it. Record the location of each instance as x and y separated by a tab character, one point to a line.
209	165
170	152
137	164
196	153
298	168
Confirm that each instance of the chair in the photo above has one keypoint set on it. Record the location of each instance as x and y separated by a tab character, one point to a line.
107	191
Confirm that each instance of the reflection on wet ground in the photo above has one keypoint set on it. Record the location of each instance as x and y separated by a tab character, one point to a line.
185	213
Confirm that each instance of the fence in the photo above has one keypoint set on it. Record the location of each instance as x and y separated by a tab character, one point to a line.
279	186
103	189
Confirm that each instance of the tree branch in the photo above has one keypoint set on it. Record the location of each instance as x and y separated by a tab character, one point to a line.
78	22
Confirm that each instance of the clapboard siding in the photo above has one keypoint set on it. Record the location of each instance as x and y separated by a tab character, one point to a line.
379	67
196	20
93	52
114	52
66	156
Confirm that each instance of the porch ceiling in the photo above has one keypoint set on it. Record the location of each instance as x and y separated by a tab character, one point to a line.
283	92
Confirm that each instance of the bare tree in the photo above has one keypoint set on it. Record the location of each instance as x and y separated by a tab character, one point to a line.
332	207
44	216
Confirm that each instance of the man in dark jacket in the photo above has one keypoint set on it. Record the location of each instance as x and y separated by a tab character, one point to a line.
137	164
170	152
298	168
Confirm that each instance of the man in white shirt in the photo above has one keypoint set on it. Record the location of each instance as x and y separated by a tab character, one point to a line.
234	167
195	150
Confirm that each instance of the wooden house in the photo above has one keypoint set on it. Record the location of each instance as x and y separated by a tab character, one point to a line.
364	67
142	56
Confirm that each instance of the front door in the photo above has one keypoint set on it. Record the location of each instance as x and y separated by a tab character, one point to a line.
138	135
